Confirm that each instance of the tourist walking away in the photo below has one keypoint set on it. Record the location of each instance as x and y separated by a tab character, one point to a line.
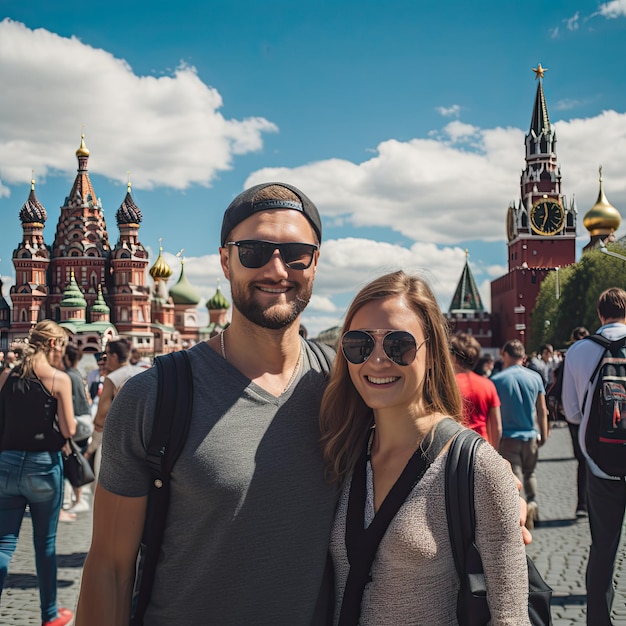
36	419
116	357
587	390
554	398
544	364
389	412
524	420
84	420
481	404
250	511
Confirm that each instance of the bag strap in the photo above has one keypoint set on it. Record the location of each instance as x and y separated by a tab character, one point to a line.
169	433
607	345
324	354
362	543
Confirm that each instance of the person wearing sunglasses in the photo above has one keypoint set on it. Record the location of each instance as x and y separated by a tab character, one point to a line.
383	416
250	513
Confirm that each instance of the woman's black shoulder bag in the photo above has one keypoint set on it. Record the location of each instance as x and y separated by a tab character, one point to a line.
472	608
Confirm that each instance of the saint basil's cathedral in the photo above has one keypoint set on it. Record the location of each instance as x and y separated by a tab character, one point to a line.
95	290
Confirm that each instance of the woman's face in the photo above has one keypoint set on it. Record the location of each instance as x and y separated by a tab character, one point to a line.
383	384
57	350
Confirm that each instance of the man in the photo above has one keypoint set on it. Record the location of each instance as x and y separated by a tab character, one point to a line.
606	495
545	364
481	404
524	419
250	511
116	355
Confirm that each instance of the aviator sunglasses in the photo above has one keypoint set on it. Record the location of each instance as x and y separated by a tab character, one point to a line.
254	253
399	345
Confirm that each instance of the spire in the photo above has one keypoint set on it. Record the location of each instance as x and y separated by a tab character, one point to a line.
183	292
466	297
73	296
100	306
32	211
218	302
602	218
540	121
129	212
160	270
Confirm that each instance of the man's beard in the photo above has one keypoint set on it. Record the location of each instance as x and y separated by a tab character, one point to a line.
272	316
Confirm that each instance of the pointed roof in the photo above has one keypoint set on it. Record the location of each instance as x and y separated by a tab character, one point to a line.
82	187
129	212
183	292
32	211
73	296
602	218
100	306
218	302
160	270
540	122
466	297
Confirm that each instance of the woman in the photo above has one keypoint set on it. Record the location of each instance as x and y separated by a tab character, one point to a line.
481	404
392	384
36	418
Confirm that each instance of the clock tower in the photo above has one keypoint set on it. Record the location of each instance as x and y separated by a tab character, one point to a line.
541	228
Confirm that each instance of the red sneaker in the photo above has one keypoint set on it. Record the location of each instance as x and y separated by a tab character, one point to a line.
65	616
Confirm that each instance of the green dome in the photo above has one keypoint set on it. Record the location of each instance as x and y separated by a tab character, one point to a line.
73	296
100	306
218	301
183	292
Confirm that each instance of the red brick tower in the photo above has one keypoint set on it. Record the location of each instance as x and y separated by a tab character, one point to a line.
541	229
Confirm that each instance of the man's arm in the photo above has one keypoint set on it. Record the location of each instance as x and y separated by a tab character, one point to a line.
109	572
104	404
542	417
494	426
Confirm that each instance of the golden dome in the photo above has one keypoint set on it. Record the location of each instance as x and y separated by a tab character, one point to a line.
602	218
82	151
160	270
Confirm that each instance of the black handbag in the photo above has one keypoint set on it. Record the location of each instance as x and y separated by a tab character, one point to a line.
472	607
76	467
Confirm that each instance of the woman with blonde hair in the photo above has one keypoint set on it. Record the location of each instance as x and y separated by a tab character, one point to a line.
36	419
385	422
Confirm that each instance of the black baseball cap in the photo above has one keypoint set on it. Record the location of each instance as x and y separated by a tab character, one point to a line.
244	205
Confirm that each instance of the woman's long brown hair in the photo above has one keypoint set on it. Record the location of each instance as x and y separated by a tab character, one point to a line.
345	419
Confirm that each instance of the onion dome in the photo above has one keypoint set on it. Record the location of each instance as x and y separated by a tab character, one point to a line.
218	301
160	270
82	151
100	306
73	296
32	211
602	218
129	212
183	292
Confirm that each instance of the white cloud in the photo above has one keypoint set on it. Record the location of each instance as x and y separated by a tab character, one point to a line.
456	186
451	111
613	9
167	130
572	23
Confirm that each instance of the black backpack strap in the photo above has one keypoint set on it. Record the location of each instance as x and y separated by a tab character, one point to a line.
362	543
324	354
461	527
169	432
607	345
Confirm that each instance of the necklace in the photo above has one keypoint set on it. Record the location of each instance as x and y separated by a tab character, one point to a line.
296	369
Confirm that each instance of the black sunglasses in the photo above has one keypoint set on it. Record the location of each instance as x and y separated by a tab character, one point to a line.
254	254
399	345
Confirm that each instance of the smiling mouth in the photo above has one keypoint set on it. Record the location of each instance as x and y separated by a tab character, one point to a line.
382	381
273	289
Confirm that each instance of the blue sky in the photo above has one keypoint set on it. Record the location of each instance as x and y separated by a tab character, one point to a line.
403	121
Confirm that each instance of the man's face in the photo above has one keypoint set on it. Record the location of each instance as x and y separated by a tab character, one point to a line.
111	361
272	296
546	355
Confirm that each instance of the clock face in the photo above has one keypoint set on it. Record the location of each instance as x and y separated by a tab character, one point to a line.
547	217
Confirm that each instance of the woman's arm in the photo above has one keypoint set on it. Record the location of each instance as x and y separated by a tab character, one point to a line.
499	540
65	407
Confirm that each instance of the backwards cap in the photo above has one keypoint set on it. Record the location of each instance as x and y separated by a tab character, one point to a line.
244	205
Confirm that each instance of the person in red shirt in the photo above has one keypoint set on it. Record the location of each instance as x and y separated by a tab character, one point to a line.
481	405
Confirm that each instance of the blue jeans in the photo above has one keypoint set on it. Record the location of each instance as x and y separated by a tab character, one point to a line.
34	479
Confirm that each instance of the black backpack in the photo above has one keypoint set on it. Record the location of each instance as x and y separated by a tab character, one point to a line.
169	433
605	437
472	607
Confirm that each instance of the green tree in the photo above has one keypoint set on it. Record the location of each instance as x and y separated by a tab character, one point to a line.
580	286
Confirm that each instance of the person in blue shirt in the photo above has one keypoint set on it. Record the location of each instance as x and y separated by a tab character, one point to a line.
524	419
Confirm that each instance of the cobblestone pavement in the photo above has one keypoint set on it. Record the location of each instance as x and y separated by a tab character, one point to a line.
559	548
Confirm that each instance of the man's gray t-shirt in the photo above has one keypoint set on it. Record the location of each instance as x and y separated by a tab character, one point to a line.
250	512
